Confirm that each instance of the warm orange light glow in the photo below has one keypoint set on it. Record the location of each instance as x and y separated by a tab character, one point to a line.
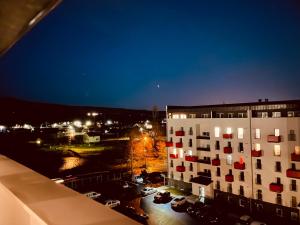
241	160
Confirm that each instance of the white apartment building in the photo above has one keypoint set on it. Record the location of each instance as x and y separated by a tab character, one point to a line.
246	154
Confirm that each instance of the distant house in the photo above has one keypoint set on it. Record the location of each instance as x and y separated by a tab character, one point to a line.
91	137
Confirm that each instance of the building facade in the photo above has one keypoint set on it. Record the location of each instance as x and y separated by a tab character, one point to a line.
246	154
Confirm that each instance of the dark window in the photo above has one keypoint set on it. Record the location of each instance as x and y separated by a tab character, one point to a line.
218	186
258	179
294	202
241	190
171	130
171	163
258	164
181	176
217	145
278	199
259	195
293	165
242	176
218	172
191	166
292	136
191	131
279	212
241	147
278	167
293	185
217	156
229	144
191	177
171	139
172	175
229	188
190	143
180	140
278	180
230	172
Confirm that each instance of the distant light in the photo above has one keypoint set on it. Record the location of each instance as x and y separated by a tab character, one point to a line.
106	131
38	141
95	114
88	123
77	123
2	128
141	129
88	114
108	122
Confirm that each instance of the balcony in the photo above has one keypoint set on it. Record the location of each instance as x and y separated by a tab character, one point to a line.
239	166
255	153
295	157
179	145
229	178
273	139
35	199
180	169
227	150
206	149
191	158
204	161
203	137
179	133
292	173
215	162
276	187
173	156
169	144
227	136
202	180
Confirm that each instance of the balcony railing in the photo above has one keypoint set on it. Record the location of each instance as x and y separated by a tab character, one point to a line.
204	161
203	137
239	166
179	145
180	168
227	150
255	153
174	156
229	178
227	136
215	162
191	158
292	173
275	187
295	157
169	144
206	149
273	139
179	133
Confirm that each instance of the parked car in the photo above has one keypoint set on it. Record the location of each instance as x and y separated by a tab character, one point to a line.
58	180
148	191
162	196
179	202
131	212
112	203
125	185
203	213
138	179
92	194
245	220
192	209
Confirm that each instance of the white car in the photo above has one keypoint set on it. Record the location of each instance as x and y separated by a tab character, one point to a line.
58	180
148	191
92	194
179	202
112	203
138	179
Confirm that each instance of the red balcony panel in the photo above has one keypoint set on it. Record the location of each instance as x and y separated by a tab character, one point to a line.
292	173
179	145
239	166
255	153
216	162
227	150
274	139
227	136
191	158
174	156
229	178
295	157
179	133
276	187
180	168
169	144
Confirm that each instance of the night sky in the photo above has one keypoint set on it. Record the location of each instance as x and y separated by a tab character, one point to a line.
136	54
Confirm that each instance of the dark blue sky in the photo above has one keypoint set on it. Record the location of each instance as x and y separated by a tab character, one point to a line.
115	52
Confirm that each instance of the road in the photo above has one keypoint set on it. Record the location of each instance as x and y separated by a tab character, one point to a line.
163	214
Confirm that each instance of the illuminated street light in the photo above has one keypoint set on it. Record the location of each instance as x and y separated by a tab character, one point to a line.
88	123
38	141
77	123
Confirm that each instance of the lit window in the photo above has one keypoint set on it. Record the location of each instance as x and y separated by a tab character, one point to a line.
277	150
264	114
182	116
217	132
181	153
229	159
228	130
175	151
277	134
297	150
257	147
175	116
276	114
190	152
257	133
240	133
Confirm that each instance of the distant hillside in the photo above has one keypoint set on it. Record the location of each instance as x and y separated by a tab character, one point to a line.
20	111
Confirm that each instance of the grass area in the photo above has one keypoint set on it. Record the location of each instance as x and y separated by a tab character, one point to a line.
81	149
175	191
